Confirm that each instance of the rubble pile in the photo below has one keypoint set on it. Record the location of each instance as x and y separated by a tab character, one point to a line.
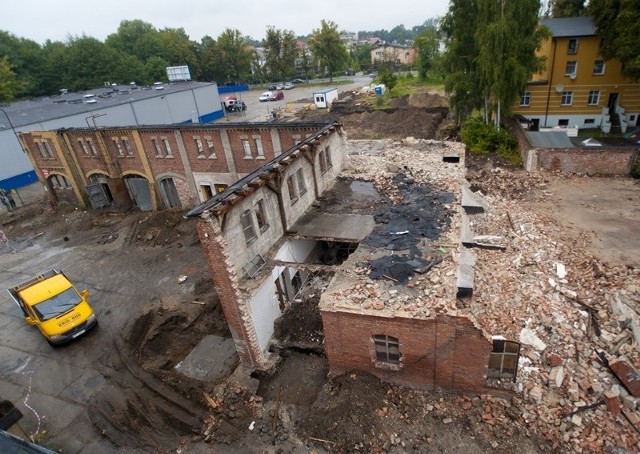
577	318
574	315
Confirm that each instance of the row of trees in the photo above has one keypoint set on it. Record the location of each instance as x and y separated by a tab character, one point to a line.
139	52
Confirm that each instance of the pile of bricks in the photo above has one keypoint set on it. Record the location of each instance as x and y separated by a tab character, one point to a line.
577	318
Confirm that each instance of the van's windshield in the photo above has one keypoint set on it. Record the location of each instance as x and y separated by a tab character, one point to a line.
58	304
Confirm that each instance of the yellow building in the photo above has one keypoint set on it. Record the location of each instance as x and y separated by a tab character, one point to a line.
401	55
578	87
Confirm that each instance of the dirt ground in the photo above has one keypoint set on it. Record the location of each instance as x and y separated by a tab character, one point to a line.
149	407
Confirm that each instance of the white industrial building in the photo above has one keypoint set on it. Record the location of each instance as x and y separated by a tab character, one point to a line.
161	104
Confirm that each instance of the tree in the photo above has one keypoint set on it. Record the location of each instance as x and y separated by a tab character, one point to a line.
459	62
362	54
88	63
137	38
280	53
180	50
328	50
427	44
508	35
235	56
567	8
9	85
490	53
618	24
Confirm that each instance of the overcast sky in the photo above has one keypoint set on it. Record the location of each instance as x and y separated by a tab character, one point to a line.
56	20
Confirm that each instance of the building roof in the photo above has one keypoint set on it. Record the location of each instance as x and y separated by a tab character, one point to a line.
550	139
23	113
567	27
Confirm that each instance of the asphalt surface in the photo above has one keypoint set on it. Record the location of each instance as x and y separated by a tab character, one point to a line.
301	94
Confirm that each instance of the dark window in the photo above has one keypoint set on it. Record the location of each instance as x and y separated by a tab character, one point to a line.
594	97
302	186
563	122
525	99
260	216
247	226
573	46
327	156
387	349
323	164
291	186
598	67
571	68
567	98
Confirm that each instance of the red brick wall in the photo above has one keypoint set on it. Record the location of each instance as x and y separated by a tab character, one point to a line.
226	281
446	353
601	161
244	165
216	165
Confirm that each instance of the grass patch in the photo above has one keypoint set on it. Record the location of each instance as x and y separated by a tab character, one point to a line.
484	139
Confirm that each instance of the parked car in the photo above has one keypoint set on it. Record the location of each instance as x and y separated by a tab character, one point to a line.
299	81
288	85
266	96
238	106
280	86
278	95
272	86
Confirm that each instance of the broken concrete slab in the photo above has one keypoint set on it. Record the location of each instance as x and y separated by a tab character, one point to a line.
211	360
556	377
529	337
465	273
471	202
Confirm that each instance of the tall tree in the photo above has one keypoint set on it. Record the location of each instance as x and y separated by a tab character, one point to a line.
88	63
618	23
327	48
508	34
9	84
504	35
280	53
459	59
362	54
567	8
180	50
138	38
427	45
235	56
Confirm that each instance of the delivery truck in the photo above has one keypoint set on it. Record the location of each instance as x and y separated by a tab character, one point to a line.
52	303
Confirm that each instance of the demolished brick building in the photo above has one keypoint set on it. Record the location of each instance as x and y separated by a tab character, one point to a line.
395	264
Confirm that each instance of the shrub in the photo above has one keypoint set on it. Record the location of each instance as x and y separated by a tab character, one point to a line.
483	139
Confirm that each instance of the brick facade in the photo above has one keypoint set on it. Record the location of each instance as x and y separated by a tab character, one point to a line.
218	154
444	353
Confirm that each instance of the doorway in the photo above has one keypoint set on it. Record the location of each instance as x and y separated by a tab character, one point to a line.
613	103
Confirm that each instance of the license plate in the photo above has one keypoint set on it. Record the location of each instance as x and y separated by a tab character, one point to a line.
77	334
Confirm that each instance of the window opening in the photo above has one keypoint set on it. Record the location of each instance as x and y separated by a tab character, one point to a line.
212	151
246	146
573	46
127	146
94	149
598	67
525	99
567	98
156	145
302	185
167	147
260	216
594	97
293	196
247	227
116	143
387	349
259	149
503	360
571	68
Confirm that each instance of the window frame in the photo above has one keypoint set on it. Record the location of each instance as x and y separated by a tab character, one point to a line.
156	145
594	98
567	98
246	148
596	64
167	147
386	349
210	147
292	189
127	145
116	142
261	216
572	46
248	229
92	145
498	355
259	149
302	184
525	99
571	63
84	147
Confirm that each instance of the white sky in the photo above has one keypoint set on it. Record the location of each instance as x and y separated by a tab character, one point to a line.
56	20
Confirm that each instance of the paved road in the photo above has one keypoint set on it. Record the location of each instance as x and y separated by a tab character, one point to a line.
261	111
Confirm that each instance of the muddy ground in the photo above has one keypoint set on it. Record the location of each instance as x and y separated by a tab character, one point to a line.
149	407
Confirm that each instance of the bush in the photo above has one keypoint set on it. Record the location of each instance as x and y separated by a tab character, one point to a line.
483	139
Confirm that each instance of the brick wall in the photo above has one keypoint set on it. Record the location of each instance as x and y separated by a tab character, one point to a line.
601	161
585	161
236	310
446	352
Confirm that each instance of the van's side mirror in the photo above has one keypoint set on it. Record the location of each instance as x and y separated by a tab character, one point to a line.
30	320
85	294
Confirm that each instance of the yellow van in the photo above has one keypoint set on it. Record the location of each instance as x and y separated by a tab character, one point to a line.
51	302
